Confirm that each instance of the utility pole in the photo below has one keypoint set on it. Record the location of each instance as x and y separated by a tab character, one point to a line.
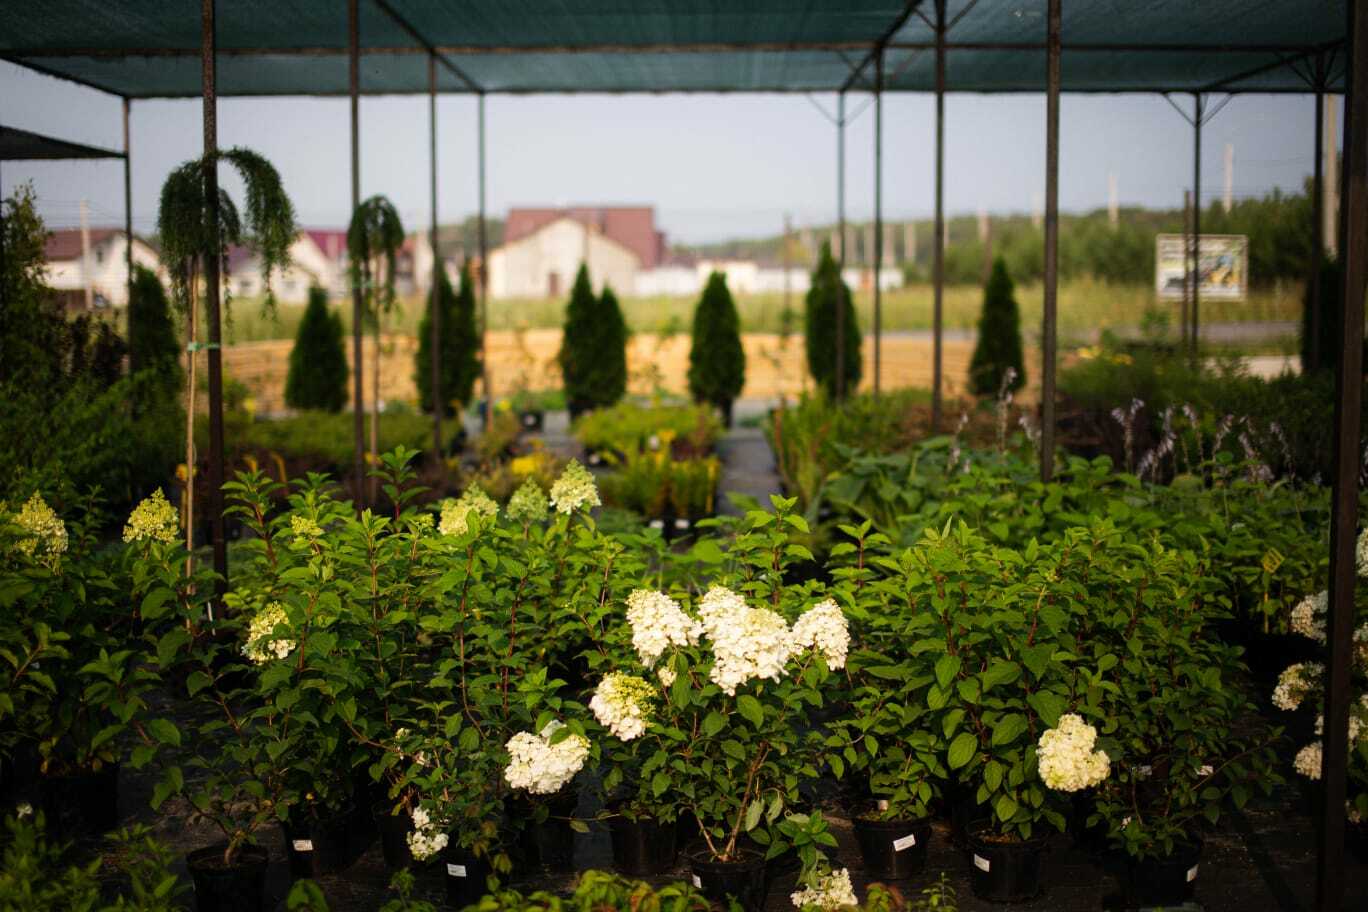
1228	199
784	253
1331	186
1113	202
85	255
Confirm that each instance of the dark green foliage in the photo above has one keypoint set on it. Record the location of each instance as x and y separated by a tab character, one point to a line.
828	296
1331	321
593	355
460	344
717	363
318	361
999	337
152	341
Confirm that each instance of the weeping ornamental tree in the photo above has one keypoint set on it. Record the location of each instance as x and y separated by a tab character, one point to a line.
593	354
717	362
826	298
460	344
188	241
999	337
318	361
373	241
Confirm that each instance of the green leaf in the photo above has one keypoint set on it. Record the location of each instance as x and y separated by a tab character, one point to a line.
1048	706
1006	807
962	749
714	723
165	731
753	812
1008	729
1037	658
750	707
660	783
947	667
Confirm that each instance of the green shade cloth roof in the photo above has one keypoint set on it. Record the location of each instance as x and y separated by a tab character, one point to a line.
144	49
21	145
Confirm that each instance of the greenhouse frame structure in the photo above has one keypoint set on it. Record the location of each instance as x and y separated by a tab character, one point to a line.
189	48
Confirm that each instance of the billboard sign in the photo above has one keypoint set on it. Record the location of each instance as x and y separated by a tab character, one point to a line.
1224	266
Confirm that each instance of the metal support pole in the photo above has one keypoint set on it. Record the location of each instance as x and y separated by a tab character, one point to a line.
358	308
128	237
878	215
484	282
208	87
1313	353
938	242
841	256
438	402
1344	499
1048	326
1198	109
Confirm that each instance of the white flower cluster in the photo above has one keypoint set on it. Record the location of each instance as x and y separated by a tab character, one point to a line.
426	840
45	527
824	628
305	528
574	489
833	891
262	642
1296	683
748	643
667	675
541	767
456	513
152	520
528	504
658	622
1308	760
622	703
1067	760
1361	553
1308	618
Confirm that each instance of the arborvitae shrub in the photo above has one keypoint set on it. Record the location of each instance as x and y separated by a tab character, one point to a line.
593	355
460	344
612	384
999	336
827	297
152	342
717	362
318	361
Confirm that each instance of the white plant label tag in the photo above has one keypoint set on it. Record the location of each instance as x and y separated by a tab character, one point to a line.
303	845
681	524
529	420
455	870
982	863
906	842
657	524
1192	873
698	881
882	804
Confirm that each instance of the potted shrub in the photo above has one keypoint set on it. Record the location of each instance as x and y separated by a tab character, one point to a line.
717	362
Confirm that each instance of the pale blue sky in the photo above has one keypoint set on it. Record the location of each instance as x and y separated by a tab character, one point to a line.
715	166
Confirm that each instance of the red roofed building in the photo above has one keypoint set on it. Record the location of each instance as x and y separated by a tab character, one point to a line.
544	247
98	263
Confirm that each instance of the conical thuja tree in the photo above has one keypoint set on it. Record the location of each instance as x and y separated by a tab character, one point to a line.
460	344
152	343
373	241
717	362
827	298
611	384
318	361
999	337
189	242
593	356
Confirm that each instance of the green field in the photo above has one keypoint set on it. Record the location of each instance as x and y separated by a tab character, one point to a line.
1084	305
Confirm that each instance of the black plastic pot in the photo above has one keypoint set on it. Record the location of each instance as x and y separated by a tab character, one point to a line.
743	880
240	887
893	849
644	847
1164	881
466	876
318	845
394	830
86	802
1005	871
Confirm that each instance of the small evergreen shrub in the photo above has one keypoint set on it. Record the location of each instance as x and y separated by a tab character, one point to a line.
318	361
460	344
999	337
152	342
593	355
717	362
827	297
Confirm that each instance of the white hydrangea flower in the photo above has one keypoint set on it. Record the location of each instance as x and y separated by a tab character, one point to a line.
667	675
1296	682
1361	553
1352	813
658	622
1066	757
263	644
528	504
833	891
425	840
622	703
540	767
456	513
1308	760
824	628
748	643
574	489
45	528
1308	618
152	520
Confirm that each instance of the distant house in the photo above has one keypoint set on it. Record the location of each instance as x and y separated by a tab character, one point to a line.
544	247
71	268
316	258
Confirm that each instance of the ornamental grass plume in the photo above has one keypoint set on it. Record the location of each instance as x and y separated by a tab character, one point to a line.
153	520
1066	757
543	768
575	489
622	704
